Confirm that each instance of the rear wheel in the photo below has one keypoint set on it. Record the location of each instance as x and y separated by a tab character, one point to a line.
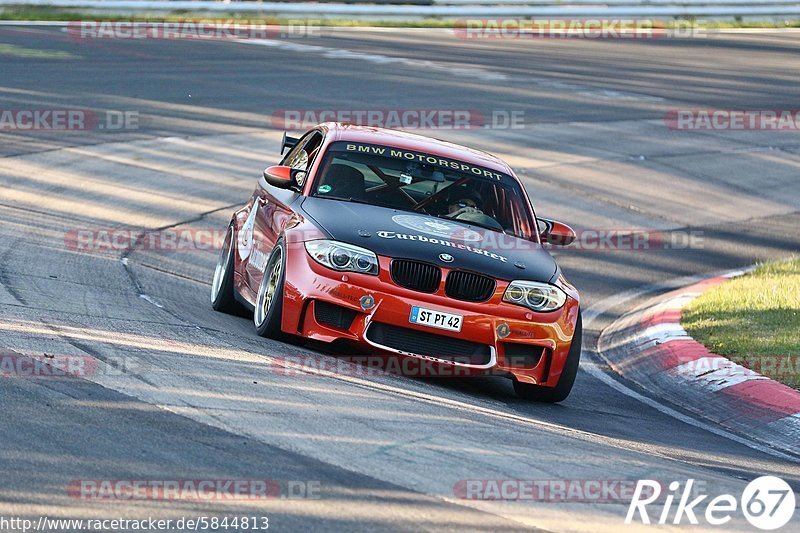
222	298
560	392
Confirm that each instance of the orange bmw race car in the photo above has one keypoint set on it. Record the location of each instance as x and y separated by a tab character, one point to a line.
404	245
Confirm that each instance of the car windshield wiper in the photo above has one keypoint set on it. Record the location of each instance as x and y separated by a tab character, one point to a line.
472	223
355	201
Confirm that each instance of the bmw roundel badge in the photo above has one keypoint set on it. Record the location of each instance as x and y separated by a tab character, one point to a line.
367	302
503	330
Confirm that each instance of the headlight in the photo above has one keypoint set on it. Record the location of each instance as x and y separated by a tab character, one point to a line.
534	295
342	256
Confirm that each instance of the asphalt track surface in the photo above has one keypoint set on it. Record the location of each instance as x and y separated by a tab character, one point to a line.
200	397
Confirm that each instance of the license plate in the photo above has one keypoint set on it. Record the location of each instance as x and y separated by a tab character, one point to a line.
435	319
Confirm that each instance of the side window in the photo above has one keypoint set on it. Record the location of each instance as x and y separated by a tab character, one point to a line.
311	149
297	148
302	155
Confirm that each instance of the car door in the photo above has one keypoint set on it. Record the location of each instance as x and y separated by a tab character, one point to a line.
272	207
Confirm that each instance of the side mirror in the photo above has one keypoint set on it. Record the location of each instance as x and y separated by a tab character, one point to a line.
284	177
556	233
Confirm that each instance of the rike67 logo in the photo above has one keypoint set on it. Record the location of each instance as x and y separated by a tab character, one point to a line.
767	503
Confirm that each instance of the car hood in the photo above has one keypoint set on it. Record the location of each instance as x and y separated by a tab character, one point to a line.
402	234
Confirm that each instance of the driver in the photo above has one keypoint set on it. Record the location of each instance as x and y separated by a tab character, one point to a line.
462	200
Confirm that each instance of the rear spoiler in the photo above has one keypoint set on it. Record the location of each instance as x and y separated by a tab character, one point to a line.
288	142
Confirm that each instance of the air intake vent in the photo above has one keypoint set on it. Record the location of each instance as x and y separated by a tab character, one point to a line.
468	286
333	315
430	344
416	276
522	355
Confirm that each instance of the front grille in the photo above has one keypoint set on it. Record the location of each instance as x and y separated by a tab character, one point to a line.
333	315
468	286
522	355
430	344
416	276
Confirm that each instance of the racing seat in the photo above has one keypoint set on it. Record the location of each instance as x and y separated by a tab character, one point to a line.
346	182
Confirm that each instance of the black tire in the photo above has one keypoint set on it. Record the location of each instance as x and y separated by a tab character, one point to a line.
268	322
222	297
560	392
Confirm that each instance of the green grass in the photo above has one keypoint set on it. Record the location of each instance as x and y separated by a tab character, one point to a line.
754	320
23	12
19	51
39	13
726	24
50	13
47	13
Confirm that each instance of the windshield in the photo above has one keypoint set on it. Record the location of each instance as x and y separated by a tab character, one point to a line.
423	183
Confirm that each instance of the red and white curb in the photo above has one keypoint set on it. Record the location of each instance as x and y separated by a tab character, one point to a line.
649	347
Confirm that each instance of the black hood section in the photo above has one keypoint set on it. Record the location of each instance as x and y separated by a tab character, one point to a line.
402	234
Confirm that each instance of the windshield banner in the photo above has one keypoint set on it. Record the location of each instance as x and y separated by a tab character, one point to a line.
419	157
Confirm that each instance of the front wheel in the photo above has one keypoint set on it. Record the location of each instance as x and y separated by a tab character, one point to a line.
560	392
269	300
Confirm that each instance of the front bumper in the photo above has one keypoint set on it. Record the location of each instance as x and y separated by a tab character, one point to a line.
529	346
